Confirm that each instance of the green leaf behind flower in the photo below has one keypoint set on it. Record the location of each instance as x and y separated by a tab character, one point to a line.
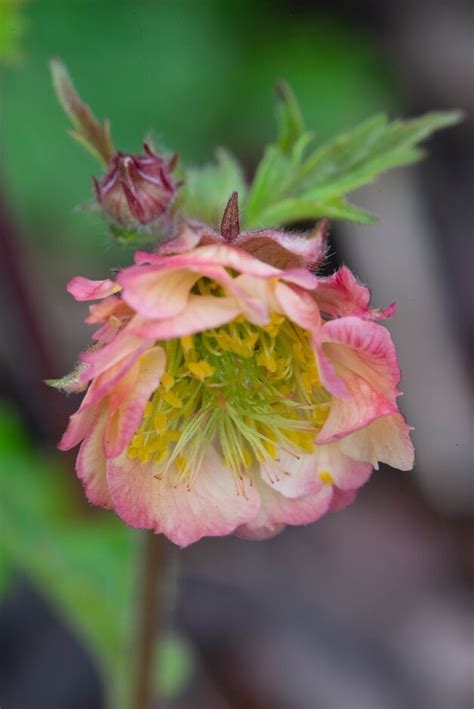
207	189
296	181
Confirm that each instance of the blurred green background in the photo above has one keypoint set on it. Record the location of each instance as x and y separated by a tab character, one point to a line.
199	75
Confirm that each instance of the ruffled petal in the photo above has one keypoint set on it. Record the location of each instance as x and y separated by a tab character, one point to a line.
386	440
202	312
84	289
211	507
91	465
156	293
352	414
213	255
125	416
341	294
306	476
276	511
78	427
126	347
365	348
342	499
363	355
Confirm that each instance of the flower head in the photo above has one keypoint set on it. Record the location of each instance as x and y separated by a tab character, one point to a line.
137	189
220	401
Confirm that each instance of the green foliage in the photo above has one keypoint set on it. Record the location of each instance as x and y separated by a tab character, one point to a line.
174	662
137	63
12	29
206	190
83	565
297	181
83	562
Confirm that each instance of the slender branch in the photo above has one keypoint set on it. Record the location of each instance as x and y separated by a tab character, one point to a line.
151	601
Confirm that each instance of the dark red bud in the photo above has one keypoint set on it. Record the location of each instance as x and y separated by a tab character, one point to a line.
230	224
137	189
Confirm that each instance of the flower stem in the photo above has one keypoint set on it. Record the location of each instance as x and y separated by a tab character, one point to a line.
150	605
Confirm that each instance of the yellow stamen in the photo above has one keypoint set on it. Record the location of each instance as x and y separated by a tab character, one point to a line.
173	400
201	369
160	422
167	380
186	342
326	477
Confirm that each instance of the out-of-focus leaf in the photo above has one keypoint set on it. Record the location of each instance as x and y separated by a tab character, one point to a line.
5	573
83	566
173	665
12	29
298	208
289	118
300	183
207	189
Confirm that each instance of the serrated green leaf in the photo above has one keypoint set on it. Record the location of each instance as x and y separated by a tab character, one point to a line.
293	183
300	208
289	117
207	189
356	158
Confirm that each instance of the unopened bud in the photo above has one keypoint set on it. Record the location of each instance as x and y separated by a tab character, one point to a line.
137	189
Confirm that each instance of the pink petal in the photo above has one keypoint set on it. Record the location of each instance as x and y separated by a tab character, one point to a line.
386	440
157	293
366	348
110	379
351	414
211	508
342	499
91	465
78	427
214	255
341	294
125	345
187	240
124	420
364	357
101	312
290	476
105	334
347	473
85	289
299	306
202	312
295	478
277	511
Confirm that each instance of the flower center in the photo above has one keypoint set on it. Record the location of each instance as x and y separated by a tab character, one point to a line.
250	391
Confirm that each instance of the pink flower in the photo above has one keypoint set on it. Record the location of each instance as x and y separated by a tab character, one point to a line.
220	401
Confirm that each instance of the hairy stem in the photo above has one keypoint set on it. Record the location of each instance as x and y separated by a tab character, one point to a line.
150	606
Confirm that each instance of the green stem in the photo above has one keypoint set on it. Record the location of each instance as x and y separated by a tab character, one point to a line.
150	606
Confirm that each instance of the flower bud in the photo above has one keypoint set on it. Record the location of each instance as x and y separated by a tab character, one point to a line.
137	189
